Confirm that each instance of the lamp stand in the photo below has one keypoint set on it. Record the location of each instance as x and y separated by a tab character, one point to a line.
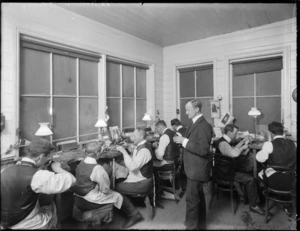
255	128
100	132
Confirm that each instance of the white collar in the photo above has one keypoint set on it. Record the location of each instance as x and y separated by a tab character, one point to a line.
90	160
180	126
278	136
27	159
227	138
196	117
165	130
140	143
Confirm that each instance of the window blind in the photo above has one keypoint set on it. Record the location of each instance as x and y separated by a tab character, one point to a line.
257	66
128	63
198	68
56	48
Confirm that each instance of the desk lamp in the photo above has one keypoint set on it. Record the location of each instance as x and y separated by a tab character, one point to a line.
254	113
146	118
100	125
43	130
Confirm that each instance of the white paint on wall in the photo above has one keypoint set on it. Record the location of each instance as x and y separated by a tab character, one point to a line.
265	39
48	21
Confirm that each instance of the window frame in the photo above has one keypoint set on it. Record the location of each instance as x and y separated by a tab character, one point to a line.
121	64
150	73
284	52
192	66
77	96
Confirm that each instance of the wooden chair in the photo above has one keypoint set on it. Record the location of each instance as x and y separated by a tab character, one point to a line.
223	169
280	196
172	177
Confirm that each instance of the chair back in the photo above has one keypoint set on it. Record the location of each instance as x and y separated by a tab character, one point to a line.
223	169
289	173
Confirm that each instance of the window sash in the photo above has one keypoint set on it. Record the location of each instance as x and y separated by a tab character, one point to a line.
121	120
187	94
52	114
258	96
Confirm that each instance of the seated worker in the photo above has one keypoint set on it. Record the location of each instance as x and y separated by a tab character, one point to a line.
224	147
166	151
22	183
93	183
177	127
281	152
139	179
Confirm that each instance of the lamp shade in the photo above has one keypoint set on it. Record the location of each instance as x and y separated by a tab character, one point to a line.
254	112
44	130
100	123
146	117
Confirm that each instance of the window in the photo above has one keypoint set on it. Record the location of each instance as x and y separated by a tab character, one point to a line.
126	94
196	82
58	85
256	83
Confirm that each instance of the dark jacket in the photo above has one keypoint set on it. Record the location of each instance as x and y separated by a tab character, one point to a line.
196	152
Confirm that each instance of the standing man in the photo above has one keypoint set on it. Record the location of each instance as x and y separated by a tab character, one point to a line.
196	164
21	185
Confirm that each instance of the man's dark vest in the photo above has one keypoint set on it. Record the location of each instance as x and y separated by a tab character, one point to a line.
17	197
217	142
147	169
220	155
172	150
182	131
284	153
83	181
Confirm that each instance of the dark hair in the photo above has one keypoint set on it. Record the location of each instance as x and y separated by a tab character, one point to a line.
175	122
276	128
197	103
38	147
143	131
230	128
161	122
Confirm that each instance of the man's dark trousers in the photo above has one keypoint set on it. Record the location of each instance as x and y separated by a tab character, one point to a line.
195	205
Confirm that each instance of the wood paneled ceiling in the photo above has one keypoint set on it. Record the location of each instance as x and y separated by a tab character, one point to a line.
170	24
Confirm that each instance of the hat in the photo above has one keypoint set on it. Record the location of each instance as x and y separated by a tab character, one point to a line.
40	146
92	147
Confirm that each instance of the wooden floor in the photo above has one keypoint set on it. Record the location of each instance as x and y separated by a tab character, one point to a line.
219	217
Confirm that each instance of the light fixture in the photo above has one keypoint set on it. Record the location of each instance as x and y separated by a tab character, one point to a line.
44	130
254	113
100	125
146	118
